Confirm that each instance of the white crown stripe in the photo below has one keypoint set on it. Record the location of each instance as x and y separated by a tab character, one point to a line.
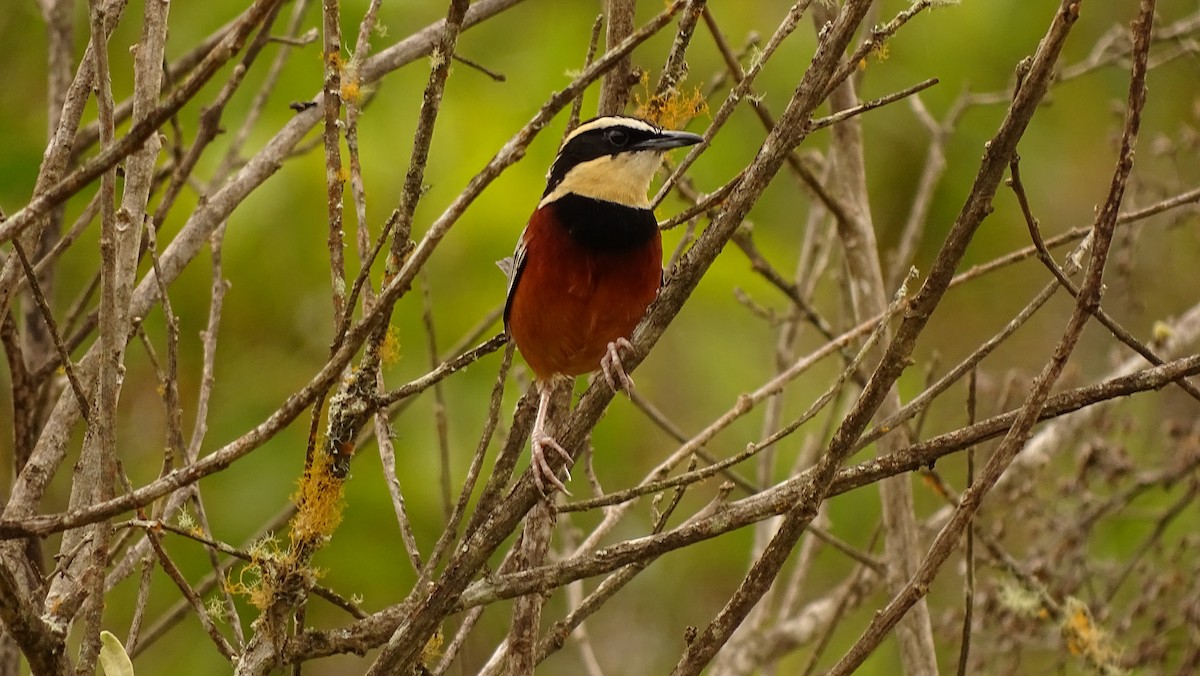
612	121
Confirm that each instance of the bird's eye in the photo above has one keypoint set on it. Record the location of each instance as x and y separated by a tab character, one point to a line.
616	137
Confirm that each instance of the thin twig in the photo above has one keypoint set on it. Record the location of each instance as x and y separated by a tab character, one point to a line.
64	355
964	651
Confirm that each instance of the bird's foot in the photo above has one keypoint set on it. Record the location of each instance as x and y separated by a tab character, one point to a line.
610	366
542	472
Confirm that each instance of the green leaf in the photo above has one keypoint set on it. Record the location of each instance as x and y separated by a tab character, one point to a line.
114	661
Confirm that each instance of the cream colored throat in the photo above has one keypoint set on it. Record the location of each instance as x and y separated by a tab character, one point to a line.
623	179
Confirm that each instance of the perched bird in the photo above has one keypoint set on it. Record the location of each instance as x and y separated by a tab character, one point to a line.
589	262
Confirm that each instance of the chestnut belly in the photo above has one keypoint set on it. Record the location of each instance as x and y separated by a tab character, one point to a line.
571	303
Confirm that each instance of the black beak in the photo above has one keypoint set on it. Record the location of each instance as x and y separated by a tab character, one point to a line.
667	140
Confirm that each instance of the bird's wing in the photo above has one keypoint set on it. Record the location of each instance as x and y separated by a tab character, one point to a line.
512	267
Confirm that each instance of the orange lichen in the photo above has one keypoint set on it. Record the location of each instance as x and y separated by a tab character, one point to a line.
274	570
389	350
351	92
1084	638
672	109
319	503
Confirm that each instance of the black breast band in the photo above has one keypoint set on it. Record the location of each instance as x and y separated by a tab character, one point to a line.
601	225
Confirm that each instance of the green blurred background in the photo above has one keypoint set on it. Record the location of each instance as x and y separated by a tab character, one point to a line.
276	326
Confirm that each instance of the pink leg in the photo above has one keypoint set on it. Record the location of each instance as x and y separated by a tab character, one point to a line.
539	440
610	366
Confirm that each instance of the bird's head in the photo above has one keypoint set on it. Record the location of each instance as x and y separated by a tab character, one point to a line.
612	159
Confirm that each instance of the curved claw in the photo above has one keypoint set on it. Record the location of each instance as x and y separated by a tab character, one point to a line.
610	366
542	472
539	441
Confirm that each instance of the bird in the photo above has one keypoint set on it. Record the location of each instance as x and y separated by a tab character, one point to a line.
588	263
